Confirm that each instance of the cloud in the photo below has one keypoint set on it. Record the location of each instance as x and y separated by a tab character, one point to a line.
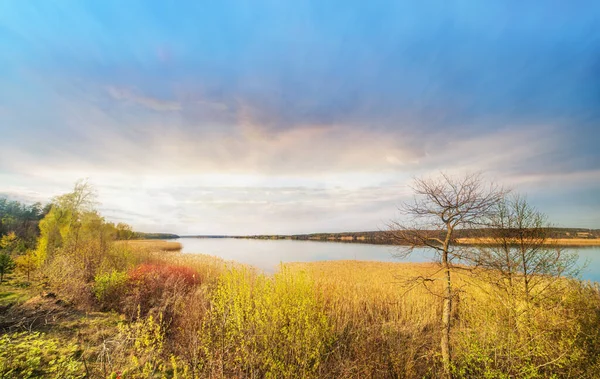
313	119
145	101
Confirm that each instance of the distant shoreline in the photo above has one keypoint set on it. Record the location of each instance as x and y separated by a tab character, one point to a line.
560	237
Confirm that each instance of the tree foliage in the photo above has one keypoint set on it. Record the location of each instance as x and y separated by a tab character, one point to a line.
22	220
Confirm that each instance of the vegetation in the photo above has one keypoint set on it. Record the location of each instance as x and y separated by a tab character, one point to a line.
440	207
85	304
153	245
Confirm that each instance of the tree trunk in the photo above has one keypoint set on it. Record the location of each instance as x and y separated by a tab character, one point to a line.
446	318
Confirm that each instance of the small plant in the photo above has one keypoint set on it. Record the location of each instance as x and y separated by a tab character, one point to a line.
33	355
150	272
144	343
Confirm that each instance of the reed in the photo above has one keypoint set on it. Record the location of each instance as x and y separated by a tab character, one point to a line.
152	245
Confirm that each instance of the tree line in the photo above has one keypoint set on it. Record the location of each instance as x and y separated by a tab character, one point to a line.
30	234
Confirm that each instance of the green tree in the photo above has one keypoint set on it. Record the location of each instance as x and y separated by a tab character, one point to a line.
21	219
8	244
61	225
7	264
124	231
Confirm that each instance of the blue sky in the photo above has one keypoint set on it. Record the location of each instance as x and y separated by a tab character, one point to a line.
288	117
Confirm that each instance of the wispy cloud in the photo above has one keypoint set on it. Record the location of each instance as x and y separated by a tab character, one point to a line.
148	102
196	119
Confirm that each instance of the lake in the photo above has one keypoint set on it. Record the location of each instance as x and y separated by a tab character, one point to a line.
268	254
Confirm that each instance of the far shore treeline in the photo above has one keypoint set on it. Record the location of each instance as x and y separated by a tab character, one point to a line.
24	218
560	236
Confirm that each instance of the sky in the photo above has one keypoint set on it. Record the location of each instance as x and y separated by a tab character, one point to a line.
263	117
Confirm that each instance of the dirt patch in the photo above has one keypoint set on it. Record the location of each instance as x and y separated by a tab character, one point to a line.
40	313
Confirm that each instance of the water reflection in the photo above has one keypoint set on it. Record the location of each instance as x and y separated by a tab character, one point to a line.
268	254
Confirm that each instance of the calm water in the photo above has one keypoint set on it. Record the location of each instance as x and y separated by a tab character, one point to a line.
268	254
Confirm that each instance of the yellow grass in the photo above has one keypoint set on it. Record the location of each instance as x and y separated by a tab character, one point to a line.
386	320
549	241
153	245
376	291
208	266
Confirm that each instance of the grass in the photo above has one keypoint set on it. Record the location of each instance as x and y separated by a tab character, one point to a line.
375	290
346	319
153	245
14	290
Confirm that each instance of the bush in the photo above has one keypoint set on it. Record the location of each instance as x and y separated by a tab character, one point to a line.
157	288
109	288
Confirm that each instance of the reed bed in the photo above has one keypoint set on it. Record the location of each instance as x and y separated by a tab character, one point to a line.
152	245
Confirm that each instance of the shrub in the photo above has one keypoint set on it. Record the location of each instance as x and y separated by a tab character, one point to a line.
67	279
109	288
157	288
147	273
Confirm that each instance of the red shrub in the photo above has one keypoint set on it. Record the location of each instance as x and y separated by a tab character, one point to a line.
155	287
149	272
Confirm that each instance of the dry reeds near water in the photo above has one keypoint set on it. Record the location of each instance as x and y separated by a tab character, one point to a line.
154	245
197	316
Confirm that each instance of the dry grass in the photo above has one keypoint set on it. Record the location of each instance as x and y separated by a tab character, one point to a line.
152	245
561	242
385	319
374	290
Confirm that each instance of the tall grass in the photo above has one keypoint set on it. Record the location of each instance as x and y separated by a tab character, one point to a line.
196	316
152	245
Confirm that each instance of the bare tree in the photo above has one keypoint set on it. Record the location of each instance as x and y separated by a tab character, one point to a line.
441	206
526	273
520	253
